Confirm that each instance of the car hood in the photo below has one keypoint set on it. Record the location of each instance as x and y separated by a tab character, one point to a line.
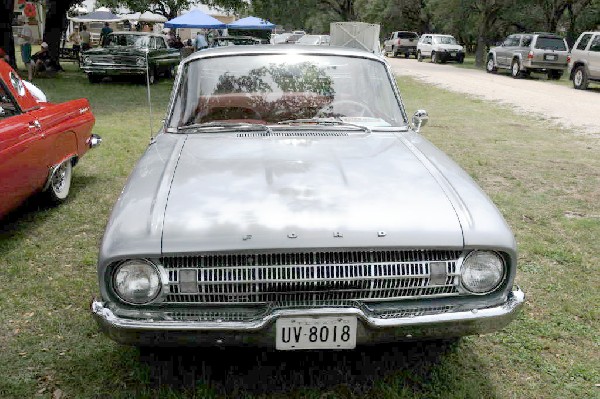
117	50
449	47
362	190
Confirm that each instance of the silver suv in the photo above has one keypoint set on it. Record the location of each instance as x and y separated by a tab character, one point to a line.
524	53
584	60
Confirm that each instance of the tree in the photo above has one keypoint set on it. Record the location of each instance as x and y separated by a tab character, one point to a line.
169	8
56	24
7	41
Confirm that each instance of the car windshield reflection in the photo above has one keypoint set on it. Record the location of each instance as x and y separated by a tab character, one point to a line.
269	89
128	40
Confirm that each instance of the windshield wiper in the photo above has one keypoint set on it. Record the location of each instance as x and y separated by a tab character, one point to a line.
324	121
223	126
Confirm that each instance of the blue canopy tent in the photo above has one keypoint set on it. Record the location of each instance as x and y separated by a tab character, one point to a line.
251	23
195	19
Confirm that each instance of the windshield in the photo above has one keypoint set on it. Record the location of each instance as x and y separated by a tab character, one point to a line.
128	40
444	40
267	89
309	39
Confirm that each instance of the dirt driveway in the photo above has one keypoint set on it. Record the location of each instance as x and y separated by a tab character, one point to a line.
563	105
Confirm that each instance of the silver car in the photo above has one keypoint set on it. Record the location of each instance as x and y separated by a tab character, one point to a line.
584	60
524	53
287	202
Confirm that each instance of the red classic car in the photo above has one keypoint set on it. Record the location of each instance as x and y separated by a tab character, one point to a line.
40	142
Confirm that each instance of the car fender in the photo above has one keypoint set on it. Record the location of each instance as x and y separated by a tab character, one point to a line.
576	64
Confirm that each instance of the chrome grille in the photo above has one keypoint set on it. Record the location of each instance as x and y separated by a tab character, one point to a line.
292	134
113	60
289	279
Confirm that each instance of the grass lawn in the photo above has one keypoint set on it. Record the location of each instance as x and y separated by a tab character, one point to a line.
545	180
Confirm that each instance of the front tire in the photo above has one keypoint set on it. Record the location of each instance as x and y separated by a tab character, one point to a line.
580	78
434	58
490	67
92	78
60	182
419	56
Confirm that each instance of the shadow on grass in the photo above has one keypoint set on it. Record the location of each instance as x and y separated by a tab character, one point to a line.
35	210
374	371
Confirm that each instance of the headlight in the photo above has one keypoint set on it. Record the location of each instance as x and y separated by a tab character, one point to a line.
482	271
136	282
87	60
140	61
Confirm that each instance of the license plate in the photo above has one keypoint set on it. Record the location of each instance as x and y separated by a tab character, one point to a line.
550	57
453	54
316	333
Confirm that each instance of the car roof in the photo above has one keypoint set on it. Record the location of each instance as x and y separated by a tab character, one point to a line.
274	49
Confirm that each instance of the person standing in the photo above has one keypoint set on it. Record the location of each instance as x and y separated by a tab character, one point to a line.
200	43
85	38
26	36
75	38
106	30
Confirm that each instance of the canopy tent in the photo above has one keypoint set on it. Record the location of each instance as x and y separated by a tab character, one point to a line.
145	17
251	23
97	16
195	19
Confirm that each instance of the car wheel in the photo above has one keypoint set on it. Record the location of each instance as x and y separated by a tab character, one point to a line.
60	182
94	78
554	75
170	73
152	77
394	52
515	69
419	56
434	58
406	55
580	78
489	66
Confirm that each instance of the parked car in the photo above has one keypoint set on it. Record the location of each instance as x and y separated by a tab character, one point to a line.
584	60
223	41
440	48
314	40
40	142
127	54
294	37
524	53
253	217
401	42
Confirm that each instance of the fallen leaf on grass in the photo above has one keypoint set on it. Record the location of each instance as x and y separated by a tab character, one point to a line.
57	394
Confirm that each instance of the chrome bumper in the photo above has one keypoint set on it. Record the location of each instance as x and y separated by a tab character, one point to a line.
114	70
261	332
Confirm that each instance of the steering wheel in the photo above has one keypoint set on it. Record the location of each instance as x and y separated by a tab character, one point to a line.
351	108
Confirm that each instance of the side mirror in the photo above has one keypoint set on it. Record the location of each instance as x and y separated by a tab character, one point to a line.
2	113
420	119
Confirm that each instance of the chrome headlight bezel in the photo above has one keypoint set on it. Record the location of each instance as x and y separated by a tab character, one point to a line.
87	60
140	61
497	273
153	272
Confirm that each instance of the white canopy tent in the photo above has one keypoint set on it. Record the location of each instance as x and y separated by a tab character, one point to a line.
145	17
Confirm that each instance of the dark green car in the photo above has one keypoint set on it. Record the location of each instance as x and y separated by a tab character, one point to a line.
131	54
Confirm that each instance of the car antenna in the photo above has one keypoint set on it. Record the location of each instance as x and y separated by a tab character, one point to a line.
149	100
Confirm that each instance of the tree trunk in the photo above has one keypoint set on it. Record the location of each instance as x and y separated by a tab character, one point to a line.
7	41
56	24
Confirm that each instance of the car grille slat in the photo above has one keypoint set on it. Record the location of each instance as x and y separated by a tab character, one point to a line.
259	278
